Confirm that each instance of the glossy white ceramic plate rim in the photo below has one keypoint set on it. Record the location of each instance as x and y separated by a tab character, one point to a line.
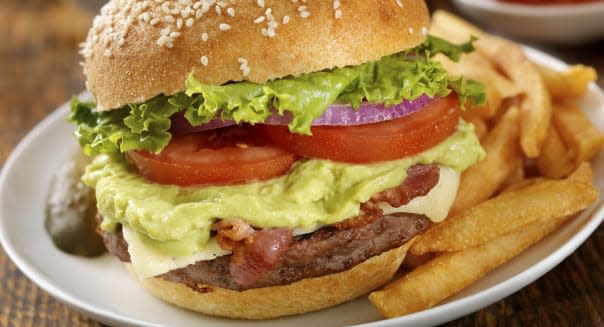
535	10
453	309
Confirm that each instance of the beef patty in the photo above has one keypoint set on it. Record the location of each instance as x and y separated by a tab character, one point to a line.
328	250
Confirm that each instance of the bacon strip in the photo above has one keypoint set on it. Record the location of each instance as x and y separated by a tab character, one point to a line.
233	233
253	260
420	180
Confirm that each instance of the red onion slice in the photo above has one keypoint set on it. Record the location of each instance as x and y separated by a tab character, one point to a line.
336	115
344	114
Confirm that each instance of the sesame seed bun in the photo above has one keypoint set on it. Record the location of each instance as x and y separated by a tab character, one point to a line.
306	295
137	51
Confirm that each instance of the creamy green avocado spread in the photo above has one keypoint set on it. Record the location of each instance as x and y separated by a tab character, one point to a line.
177	220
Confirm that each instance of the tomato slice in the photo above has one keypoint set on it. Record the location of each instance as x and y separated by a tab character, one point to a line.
218	157
376	142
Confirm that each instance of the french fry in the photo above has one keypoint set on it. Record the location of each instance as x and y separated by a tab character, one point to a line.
523	183
433	282
554	161
583	139
570	83
503	153
583	174
536	107
516	176
508	212
510	58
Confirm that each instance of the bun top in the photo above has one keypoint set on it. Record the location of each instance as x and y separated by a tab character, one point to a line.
138	49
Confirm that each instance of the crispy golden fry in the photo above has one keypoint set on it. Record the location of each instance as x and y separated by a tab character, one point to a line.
536	106
554	161
447	274
510	58
505	213
503	153
516	176
570	83
583	174
523	183
583	139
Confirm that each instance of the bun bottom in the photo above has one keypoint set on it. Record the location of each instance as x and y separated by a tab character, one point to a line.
306	295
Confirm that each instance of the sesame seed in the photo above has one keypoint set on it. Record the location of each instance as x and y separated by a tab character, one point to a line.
304	14
218	10
260	3
338	14
285	20
399	3
162	40
185	13
204	60
424	31
243	66
174	35
410	30
204	37
190	22
268	12
301	8
231	11
259	19
170	19
224	27
270	32
336	4
154	21
179	23
165	7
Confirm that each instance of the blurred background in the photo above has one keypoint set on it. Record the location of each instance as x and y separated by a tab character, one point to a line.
39	70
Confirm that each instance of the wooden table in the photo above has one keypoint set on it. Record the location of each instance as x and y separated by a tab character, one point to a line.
39	70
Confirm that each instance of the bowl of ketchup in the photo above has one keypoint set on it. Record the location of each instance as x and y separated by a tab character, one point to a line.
568	22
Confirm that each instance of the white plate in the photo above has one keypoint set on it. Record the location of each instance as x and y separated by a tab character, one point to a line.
104	290
561	24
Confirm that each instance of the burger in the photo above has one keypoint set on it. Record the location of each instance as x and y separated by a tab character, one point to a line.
255	159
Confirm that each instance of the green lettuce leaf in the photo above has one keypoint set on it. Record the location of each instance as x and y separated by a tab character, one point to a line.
390	80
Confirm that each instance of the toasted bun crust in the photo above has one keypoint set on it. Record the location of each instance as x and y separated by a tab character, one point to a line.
129	60
303	296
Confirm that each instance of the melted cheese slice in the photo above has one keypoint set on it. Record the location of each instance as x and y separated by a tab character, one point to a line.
147	262
436	204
